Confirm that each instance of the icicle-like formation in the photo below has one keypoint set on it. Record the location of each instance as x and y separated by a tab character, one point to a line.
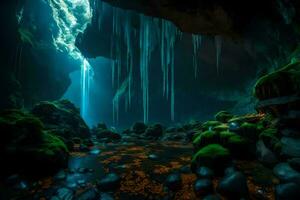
218	44
71	18
197	41
20	15
116	100
129	57
168	38
147	41
100	10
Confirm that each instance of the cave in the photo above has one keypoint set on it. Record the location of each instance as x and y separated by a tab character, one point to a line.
150	99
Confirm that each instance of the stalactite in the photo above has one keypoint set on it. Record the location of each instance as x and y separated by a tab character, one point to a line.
218	44
100	11
197	41
168	38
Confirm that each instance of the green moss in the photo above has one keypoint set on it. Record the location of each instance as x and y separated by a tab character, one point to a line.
283	82
225	135
221	127
210	125
249	130
223	116
51	145
213	156
205	138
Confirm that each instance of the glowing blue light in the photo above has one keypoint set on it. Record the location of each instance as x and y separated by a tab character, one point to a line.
72	17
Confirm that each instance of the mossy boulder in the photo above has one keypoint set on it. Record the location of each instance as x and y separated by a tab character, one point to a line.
249	130
213	156
209	125
26	147
221	127
62	118
283	82
205	138
223	116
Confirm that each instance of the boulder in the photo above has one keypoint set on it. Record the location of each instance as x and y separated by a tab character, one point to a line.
203	187
174	182
286	173
26	147
62	118
154	131
290	147
139	127
233	186
213	156
107	135
287	191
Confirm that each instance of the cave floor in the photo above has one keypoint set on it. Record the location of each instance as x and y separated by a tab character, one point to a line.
143	167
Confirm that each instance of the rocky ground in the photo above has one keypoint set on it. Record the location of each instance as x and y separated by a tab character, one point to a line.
50	153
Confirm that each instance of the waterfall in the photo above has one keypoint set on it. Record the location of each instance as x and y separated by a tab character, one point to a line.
197	41
71	18
168	38
218	44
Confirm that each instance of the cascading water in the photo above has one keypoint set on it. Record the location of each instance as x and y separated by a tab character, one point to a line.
197	41
168	38
72	17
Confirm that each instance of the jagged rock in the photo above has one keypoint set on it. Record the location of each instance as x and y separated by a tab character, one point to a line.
62	118
287	191
233	186
203	187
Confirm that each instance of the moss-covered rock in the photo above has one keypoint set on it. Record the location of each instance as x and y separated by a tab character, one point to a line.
213	156
205	138
107	135
221	127
209	125
62	118
27	147
249	131
223	116
283	82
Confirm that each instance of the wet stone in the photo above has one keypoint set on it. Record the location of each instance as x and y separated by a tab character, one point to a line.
288	191
174	182
204	172
203	187
110	182
286	173
89	194
106	196
233	186
65	194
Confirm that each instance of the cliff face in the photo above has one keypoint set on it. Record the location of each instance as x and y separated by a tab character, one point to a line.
216	17
29	67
